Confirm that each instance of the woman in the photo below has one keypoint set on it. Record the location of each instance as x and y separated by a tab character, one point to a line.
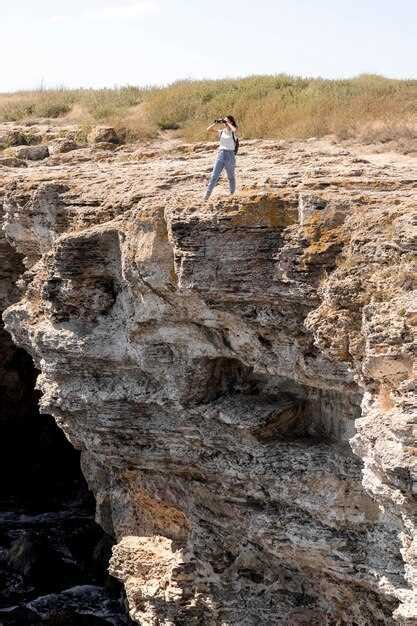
226	155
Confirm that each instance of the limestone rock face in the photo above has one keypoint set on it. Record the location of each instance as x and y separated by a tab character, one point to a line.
238	375
53	557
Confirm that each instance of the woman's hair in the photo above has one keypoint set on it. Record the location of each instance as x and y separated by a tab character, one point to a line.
232	120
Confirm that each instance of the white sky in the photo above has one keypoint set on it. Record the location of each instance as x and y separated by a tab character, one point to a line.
95	43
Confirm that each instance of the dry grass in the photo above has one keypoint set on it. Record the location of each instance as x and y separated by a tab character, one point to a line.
370	108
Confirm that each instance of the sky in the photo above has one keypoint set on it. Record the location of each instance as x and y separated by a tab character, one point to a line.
96	43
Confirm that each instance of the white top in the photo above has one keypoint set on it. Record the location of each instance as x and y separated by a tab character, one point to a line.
226	140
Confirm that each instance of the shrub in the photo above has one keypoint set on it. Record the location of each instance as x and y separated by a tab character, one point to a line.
370	107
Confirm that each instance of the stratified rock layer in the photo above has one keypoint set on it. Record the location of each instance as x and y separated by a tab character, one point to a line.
53	556
212	362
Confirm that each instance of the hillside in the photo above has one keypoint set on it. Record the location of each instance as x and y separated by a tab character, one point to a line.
369	108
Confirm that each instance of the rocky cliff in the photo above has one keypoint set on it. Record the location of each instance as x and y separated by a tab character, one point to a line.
238	375
53	556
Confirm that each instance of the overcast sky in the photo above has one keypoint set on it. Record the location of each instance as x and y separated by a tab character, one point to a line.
95	43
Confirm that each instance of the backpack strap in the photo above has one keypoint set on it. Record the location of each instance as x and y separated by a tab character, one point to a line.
236	140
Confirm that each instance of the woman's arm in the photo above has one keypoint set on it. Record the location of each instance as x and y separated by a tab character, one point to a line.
212	127
232	128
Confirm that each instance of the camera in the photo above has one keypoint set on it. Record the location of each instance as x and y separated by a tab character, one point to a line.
219	121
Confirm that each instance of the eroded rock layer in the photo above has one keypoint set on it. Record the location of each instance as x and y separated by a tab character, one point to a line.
53	556
212	362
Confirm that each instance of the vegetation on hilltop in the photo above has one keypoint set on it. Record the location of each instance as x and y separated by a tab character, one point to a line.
369	107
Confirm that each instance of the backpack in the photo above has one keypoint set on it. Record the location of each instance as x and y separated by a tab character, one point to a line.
236	140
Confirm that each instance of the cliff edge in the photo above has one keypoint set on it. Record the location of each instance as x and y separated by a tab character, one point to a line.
238	375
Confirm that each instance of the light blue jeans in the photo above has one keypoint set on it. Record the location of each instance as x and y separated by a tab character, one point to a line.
225	159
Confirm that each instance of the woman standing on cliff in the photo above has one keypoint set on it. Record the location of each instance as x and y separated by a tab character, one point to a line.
226	155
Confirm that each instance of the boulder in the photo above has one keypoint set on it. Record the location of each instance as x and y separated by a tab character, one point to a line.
60	146
12	138
31	153
12	162
103	134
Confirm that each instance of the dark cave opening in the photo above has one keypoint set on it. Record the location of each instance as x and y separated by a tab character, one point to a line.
53	556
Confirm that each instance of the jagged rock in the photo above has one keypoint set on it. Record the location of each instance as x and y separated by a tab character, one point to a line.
48	538
31	153
103	135
17	616
12	137
12	162
307	205
104	145
83	604
61	146
213	361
